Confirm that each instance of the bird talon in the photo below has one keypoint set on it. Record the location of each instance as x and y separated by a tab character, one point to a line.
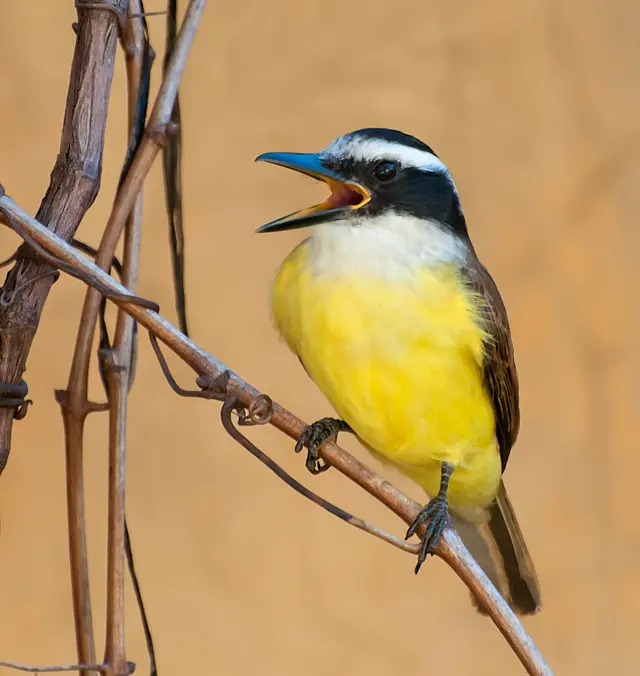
314	436
316	465
436	513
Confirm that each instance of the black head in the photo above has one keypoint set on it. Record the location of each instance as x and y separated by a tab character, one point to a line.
372	171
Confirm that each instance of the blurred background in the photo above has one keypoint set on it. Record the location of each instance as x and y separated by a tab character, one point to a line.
534	106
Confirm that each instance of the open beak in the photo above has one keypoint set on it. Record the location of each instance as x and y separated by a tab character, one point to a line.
346	195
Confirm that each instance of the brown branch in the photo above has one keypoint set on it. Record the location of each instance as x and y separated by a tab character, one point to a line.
450	548
118	375
117	372
172	174
75	180
60	667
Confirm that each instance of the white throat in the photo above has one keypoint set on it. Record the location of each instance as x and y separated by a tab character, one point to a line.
391	245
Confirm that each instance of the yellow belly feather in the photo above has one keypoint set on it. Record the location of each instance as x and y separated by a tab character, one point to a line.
400	362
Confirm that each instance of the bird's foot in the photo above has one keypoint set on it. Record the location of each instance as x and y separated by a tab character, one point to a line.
437	514
314	436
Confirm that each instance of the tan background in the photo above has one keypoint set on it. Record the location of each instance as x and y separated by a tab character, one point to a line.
534	106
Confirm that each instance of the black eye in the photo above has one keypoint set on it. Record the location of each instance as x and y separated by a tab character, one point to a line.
385	170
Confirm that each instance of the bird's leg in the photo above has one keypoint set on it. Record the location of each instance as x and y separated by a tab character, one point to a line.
437	513
314	436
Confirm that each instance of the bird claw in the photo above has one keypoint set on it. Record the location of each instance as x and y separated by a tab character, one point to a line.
437	514
313	437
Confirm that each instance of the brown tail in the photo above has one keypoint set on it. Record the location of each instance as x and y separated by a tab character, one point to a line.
500	549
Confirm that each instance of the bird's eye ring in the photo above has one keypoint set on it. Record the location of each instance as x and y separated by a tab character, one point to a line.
385	171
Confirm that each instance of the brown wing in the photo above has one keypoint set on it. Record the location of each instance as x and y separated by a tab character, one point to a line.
499	367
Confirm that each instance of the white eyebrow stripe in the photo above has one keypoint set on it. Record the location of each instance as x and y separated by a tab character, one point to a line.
378	149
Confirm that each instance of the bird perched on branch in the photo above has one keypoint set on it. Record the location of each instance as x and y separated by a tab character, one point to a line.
398	323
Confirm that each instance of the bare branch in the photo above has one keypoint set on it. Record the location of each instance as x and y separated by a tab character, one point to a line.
450	547
117	371
118	375
60	667
172	172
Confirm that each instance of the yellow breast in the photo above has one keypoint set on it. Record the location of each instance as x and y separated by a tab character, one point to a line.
400	361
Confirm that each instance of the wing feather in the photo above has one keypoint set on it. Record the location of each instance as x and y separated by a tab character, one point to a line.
499	368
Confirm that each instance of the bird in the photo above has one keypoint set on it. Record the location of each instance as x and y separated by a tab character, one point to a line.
404	331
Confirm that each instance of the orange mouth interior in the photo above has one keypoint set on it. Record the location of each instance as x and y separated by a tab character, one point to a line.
349	195
344	194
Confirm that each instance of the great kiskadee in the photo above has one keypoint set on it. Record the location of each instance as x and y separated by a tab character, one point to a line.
402	328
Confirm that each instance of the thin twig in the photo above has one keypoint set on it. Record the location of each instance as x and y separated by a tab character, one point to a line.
153	670
59	667
117	380
450	547
139	60
172	172
118	368
145	14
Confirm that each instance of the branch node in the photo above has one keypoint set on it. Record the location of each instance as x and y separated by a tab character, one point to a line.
116	7
108	358
213	385
160	133
62	398
96	407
